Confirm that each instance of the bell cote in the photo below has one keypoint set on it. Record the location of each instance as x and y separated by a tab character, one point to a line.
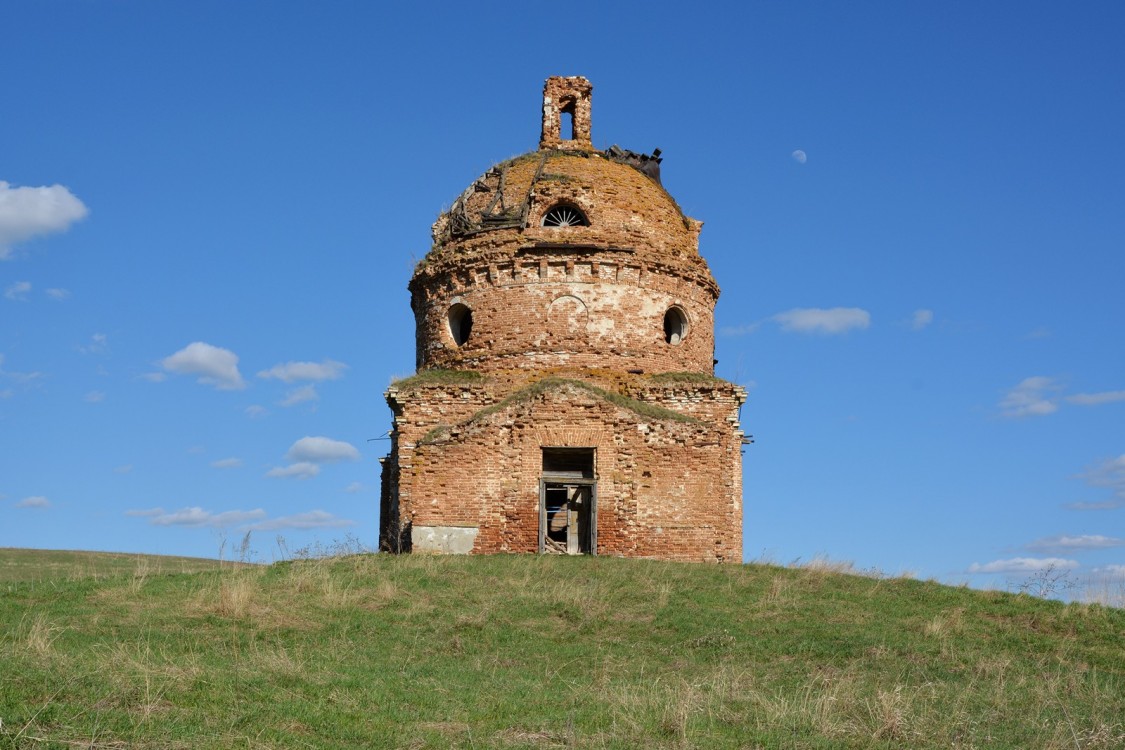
566	114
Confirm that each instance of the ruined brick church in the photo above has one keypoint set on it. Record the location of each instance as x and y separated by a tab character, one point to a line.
565	400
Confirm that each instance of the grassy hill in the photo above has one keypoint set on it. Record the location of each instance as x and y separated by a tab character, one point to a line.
548	652
49	565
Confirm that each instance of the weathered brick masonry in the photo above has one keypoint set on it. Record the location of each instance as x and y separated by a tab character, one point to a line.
565	398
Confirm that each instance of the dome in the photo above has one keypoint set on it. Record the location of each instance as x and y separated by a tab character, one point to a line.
574	197
566	257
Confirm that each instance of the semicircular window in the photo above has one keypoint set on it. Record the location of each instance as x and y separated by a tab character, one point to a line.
565	215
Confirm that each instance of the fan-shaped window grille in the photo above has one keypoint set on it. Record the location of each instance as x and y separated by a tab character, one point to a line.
564	215
675	325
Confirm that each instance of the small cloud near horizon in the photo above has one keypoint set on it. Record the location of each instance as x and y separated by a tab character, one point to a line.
1064	543
198	517
227	463
1023	565
314	519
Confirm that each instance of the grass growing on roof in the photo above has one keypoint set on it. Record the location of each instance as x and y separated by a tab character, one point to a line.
438	377
684	377
527	393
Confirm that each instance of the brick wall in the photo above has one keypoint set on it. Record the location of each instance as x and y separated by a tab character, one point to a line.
666	488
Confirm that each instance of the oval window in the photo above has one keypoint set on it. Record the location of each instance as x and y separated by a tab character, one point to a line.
675	325
460	323
565	215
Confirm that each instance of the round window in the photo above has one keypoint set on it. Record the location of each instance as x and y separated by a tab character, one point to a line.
675	325
460	323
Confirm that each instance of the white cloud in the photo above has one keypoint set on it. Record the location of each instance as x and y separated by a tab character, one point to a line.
256	411
145	512
18	291
921	319
819	320
300	395
94	397
1096	399
290	372
123	469
97	345
154	377
299	470
1099	505
227	463
1111	571
214	365
27	212
196	516
1063	543
35	501
1109	474
1030	398
739	330
799	156
58	294
315	519
1023	565
354	487
321	450
1042	332
28	379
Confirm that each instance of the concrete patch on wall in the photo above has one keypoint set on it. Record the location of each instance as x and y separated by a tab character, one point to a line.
444	540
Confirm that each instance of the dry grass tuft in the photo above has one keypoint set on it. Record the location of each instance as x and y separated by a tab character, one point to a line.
945	624
40	636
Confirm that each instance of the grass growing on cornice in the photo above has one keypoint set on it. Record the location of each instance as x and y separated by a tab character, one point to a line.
684	377
438	377
625	402
641	408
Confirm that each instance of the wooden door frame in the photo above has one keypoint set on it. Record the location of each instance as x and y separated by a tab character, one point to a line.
592	519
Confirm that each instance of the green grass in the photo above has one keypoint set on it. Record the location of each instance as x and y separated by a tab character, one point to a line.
17	565
527	393
437	377
379	651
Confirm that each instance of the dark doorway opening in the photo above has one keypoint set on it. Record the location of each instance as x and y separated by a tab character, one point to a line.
568	502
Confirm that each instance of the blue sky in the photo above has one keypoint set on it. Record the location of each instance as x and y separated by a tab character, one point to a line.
209	212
